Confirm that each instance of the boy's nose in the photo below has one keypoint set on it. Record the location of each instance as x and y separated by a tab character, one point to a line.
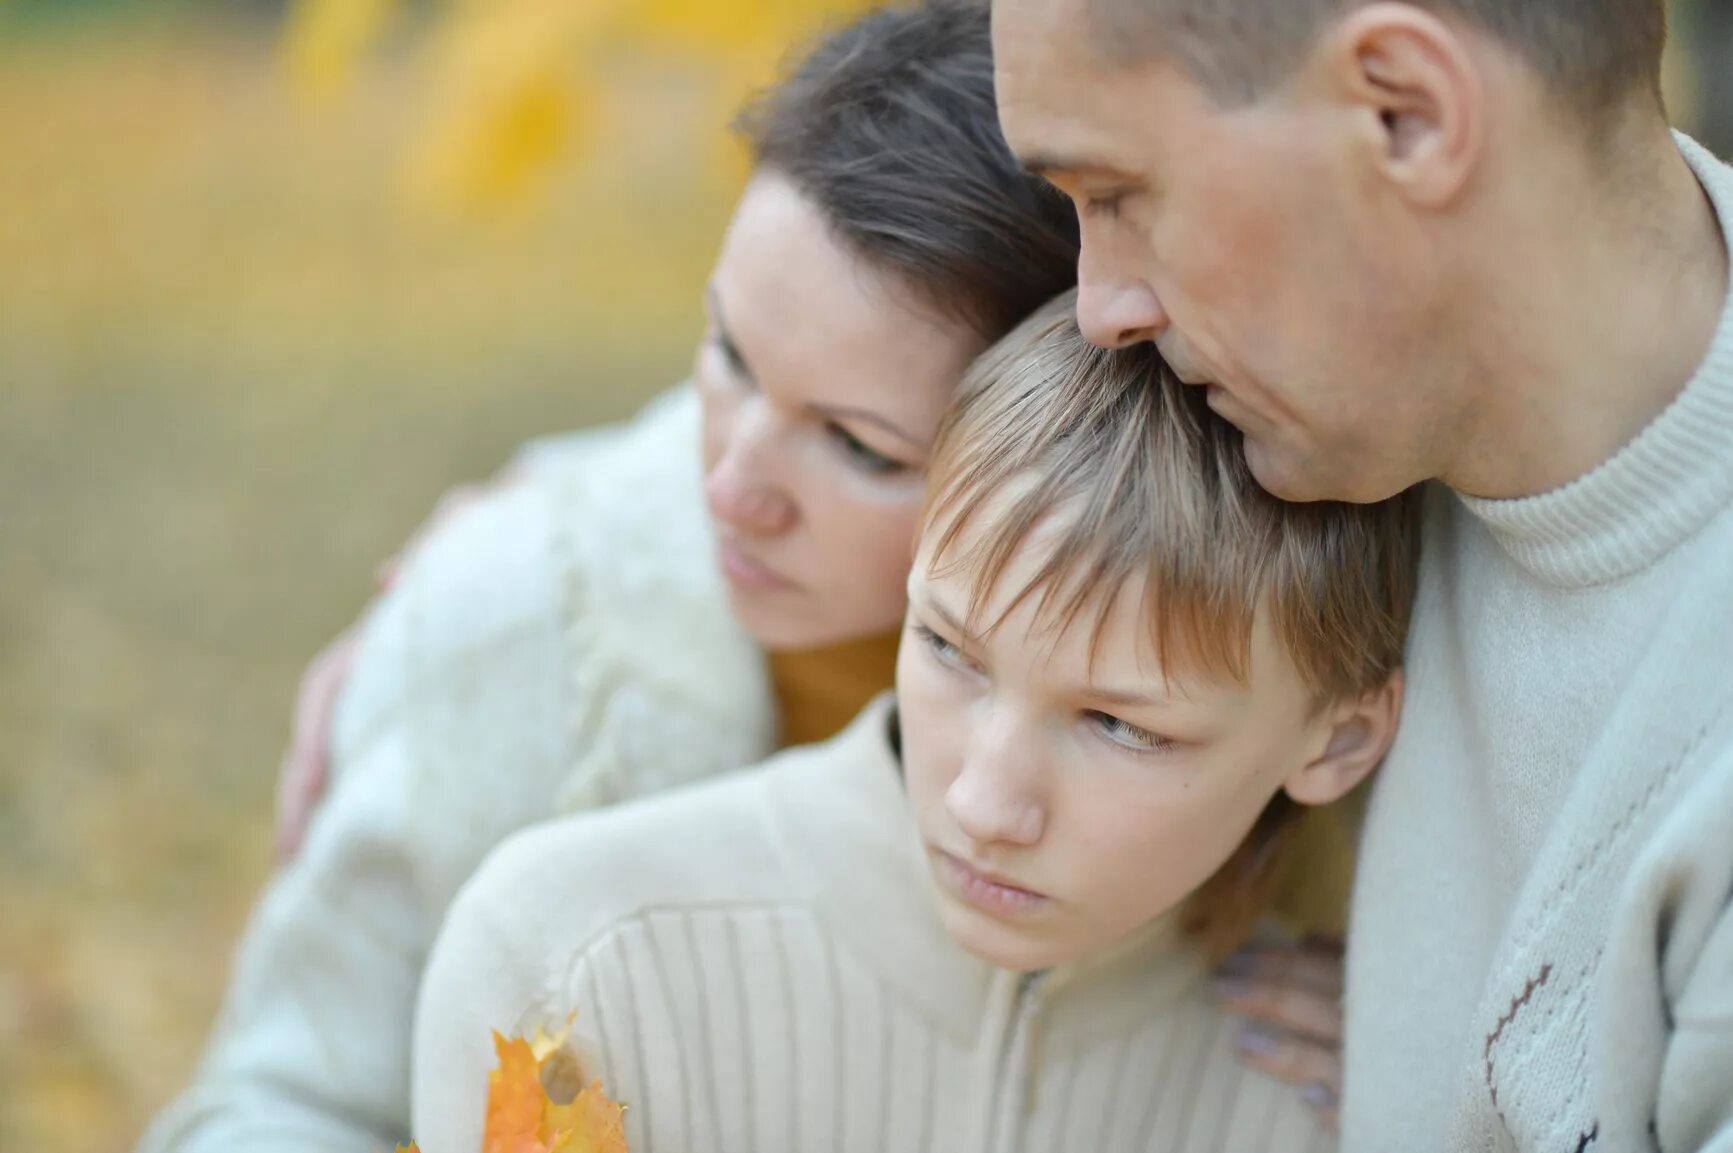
996	799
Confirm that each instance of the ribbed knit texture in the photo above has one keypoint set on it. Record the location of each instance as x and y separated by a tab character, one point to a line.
758	966
543	653
1540	952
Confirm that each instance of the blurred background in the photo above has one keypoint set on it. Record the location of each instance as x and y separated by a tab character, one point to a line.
272	278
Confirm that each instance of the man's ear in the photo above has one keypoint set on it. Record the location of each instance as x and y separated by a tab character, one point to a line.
1414	88
1360	733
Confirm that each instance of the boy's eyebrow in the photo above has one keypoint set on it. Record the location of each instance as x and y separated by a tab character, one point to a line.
946	617
1123	697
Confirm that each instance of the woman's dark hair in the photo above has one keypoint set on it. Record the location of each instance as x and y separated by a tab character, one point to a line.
889	126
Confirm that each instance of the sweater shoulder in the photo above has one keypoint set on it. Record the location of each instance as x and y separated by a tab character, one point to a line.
557	889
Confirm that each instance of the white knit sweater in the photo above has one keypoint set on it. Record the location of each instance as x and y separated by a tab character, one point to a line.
564	644
1541	951
759	966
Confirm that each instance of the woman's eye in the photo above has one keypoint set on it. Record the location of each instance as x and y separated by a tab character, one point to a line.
1127	734
868	459
942	649
732	362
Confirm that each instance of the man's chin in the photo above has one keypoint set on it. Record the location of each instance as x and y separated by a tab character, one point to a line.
1277	475
1286	476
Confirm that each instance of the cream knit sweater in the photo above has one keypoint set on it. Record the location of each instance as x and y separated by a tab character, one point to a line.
562	645
1541	950
758	966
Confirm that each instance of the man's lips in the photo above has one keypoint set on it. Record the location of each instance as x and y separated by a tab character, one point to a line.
745	571
990	892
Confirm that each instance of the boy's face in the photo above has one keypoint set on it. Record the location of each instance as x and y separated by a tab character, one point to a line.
1066	802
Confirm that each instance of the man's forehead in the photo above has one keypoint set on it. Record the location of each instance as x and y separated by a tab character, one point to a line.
1035	39
1063	106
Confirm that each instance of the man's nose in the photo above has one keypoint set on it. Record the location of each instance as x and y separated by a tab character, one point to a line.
742	490
1119	315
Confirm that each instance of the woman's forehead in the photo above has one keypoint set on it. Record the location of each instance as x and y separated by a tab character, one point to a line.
816	323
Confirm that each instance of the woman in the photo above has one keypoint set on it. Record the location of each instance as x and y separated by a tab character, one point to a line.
722	575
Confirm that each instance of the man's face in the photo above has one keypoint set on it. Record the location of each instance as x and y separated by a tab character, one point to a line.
1243	241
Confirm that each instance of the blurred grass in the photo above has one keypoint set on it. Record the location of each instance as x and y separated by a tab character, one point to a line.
233	376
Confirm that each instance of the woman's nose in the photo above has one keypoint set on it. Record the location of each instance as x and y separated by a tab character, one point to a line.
742	489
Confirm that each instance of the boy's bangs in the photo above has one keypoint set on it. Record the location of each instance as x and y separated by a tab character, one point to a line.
1106	488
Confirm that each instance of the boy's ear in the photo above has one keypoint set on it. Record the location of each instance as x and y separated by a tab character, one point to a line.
1360	733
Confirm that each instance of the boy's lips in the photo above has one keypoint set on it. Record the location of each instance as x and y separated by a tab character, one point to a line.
990	892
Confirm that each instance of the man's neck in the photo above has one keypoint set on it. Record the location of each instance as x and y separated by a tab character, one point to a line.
1598	308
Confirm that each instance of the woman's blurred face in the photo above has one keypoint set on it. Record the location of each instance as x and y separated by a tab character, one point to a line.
822	380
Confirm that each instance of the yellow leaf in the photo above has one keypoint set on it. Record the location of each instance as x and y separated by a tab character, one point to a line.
522	1117
515	1099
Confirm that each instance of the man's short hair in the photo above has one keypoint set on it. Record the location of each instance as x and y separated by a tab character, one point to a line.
1124	475
1592	53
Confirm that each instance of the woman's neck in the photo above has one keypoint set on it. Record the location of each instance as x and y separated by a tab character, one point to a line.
819	691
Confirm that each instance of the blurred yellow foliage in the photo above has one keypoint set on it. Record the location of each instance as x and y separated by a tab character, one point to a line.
325	38
515	87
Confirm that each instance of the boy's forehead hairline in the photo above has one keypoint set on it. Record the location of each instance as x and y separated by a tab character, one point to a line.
1126	611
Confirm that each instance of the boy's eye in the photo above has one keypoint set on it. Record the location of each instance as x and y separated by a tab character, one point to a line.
866	458
944	651
1125	733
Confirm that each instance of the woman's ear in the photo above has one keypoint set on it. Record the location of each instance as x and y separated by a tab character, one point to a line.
1360	733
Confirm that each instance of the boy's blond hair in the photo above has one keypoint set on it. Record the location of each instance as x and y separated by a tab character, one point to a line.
1130	476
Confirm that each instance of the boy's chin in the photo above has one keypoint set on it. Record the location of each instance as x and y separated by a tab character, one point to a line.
1002	945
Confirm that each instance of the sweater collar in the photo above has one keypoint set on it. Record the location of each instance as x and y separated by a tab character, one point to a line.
1658	490
849	835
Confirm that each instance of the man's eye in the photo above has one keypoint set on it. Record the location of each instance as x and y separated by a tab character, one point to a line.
1125	733
866	458
1103	206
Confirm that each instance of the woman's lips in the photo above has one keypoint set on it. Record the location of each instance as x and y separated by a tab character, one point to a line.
745	572
990	893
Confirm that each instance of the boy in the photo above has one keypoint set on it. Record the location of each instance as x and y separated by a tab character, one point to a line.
979	919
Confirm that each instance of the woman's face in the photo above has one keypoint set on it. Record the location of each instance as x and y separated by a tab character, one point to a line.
822	381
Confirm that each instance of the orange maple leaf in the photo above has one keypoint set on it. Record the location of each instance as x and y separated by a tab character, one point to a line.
523	1118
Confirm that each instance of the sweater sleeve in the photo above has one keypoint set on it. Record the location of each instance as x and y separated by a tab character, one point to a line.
1695	1111
1694	924
481	977
450	735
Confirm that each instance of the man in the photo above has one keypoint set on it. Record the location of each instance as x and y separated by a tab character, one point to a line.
1455	241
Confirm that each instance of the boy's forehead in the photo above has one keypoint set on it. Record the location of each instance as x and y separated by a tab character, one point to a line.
1107	638
1108	644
